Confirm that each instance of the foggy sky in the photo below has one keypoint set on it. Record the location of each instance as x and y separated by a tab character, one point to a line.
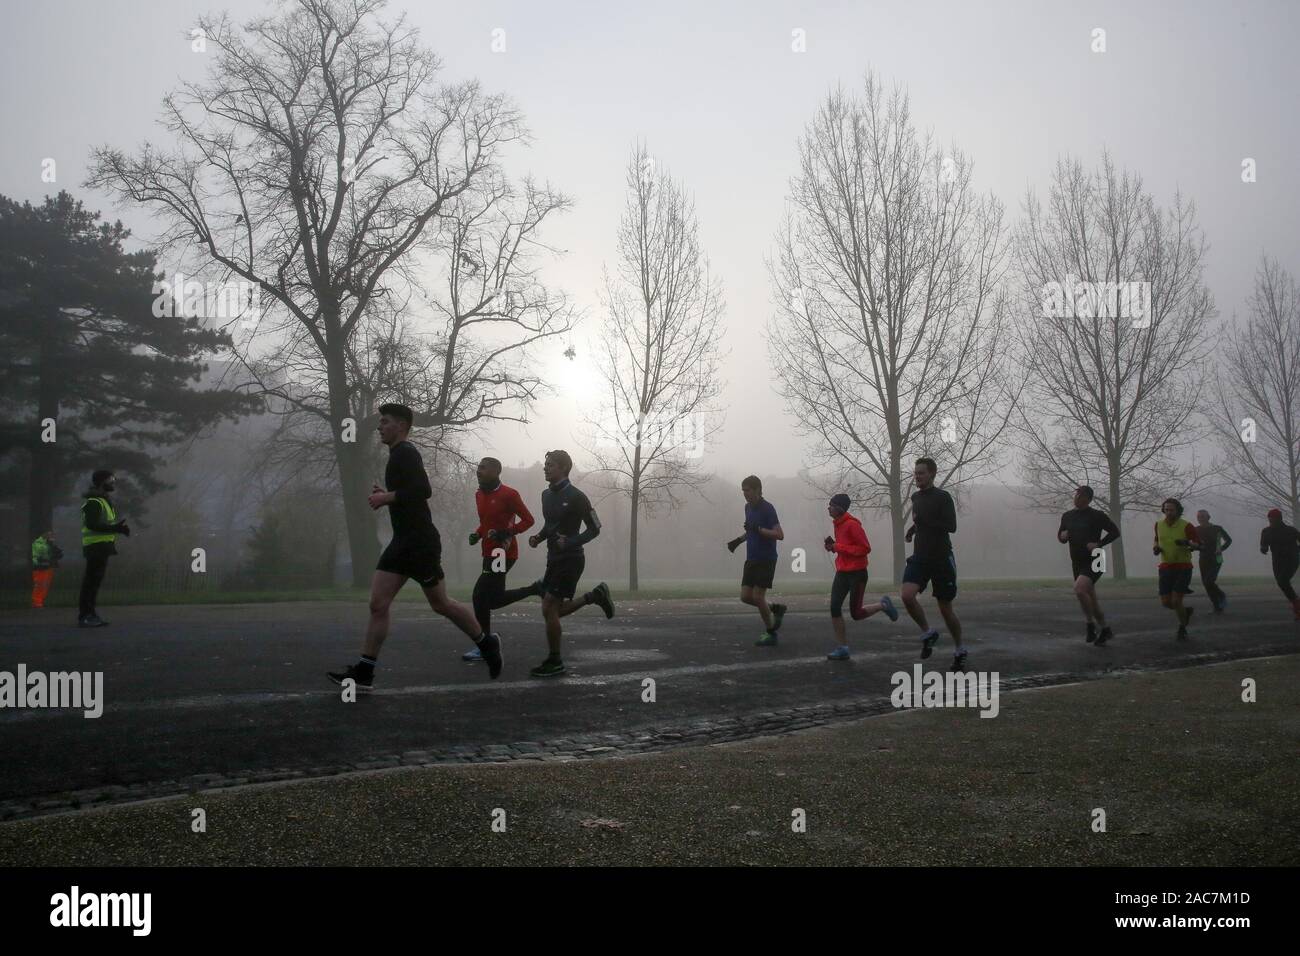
1184	92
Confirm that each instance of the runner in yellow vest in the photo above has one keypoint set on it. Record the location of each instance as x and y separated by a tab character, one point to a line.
99	530
1175	538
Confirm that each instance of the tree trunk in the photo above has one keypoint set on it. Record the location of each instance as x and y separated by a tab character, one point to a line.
633	583
1117	516
43	473
896	519
363	545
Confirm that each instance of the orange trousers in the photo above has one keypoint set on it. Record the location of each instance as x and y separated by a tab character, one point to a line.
41	581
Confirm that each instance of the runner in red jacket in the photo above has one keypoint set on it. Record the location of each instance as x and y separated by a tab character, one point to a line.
850	547
502	515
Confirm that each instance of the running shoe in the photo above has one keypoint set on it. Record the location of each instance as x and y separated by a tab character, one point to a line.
928	640
1105	635
1182	632
778	615
600	597
91	620
551	667
472	656
364	683
767	640
1092	632
891	612
840	653
958	661
491	650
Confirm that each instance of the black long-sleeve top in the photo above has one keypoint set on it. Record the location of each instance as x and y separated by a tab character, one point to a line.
406	479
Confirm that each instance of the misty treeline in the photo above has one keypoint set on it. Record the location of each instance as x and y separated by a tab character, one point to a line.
363	202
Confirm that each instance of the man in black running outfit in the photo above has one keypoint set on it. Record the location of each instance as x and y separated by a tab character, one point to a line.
415	552
565	509
1085	530
934	518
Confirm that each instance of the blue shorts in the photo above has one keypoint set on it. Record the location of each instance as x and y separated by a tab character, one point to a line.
942	571
1175	580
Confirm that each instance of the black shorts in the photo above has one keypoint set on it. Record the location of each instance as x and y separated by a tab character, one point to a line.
1084	569
1175	581
758	574
942	571
562	574
419	559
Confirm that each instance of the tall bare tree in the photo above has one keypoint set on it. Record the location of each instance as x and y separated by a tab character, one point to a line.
1257	397
456	348
313	163
1113	334
890	317
659	354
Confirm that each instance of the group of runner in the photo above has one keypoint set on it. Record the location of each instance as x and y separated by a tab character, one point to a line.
415	552
570	522
1083	528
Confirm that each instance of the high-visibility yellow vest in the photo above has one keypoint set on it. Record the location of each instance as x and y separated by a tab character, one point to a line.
89	537
1166	536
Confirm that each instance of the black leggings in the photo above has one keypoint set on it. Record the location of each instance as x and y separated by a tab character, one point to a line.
1283	573
489	592
846	583
96	565
1209	575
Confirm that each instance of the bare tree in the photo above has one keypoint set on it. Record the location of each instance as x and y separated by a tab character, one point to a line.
1112	338
1257	394
315	161
890	318
456	349
660	352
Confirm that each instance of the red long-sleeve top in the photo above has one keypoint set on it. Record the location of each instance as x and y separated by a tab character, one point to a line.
497	511
851	544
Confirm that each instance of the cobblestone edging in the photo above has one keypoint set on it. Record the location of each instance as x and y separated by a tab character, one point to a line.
709	730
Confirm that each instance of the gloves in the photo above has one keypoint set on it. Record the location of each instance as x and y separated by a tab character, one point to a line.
732	546
829	543
121	528
473	538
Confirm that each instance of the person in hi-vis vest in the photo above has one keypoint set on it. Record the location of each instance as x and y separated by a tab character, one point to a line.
45	558
99	530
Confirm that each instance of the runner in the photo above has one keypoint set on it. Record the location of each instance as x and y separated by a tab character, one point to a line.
1175	537
850	547
99	530
1283	541
762	532
1085	530
1211	560
564	510
498	507
934	518
414	552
